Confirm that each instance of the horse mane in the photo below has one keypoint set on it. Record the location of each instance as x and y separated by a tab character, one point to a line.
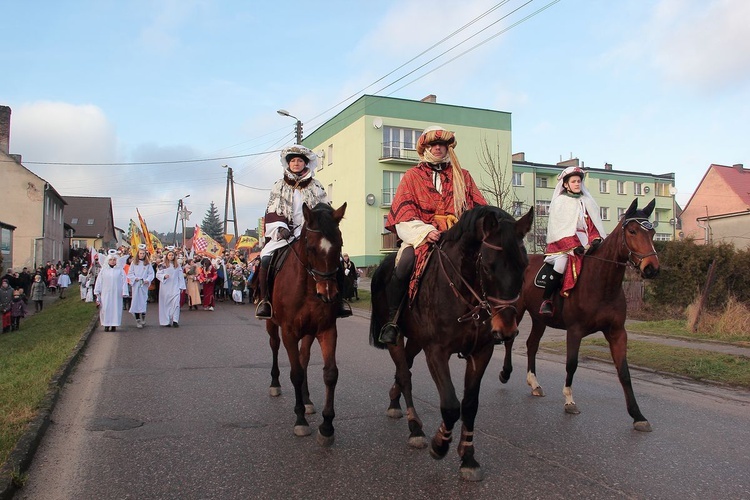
466	228
324	222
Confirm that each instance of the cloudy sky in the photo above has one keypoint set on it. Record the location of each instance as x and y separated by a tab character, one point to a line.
161	94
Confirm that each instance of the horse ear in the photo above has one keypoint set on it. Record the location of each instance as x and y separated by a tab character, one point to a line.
338	214
649	208
523	225
631	209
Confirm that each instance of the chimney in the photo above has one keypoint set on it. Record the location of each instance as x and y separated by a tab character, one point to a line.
519	157
430	98
739	166
607	166
4	129
573	162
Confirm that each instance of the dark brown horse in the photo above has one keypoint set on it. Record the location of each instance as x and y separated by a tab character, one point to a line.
304	307
467	297
597	303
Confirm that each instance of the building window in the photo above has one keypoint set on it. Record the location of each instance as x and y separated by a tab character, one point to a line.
603	186
542	208
390	184
329	191
400	142
637	188
541	182
621	212
90	222
662	237
621	187
604	212
517	179
330	154
74	220
662	189
517	208
6	245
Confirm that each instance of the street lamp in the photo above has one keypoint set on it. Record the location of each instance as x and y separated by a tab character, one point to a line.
183	214
297	127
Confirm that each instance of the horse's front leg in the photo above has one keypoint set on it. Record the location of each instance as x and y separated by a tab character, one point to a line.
532	348
403	357
297	376
476	364
450	409
618	347
573	345
327	340
304	359
274	341
507	362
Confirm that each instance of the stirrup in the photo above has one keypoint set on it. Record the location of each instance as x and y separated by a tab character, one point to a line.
264	310
389	334
546	309
345	310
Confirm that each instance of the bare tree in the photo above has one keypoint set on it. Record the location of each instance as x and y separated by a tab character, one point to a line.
497	188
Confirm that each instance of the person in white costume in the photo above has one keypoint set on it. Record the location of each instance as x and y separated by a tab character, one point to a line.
111	286
172	282
141	274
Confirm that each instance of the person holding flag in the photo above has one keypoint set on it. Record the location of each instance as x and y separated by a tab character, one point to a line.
140	275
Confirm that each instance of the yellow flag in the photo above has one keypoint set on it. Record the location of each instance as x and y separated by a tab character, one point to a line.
146	234
135	238
248	242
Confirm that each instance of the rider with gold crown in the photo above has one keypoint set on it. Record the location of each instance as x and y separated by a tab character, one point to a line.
429	199
574	225
284	216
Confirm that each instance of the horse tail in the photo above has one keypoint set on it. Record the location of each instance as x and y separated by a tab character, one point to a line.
379	315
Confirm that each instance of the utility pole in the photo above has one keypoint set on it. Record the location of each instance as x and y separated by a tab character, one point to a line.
182	214
230	189
297	126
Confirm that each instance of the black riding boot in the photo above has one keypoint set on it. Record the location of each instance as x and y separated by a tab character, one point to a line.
264	309
395	291
553	284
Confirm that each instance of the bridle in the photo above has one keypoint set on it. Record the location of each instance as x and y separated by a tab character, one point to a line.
490	305
317	276
646	225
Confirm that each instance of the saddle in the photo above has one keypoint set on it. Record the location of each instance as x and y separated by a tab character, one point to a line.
277	261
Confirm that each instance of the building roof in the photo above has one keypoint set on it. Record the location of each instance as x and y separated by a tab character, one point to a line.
90	216
737	178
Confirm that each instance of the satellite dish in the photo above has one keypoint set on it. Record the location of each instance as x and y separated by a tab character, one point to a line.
646	189
377	122
672	190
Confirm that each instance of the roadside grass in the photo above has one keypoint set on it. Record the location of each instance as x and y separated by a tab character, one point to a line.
693	363
30	357
363	302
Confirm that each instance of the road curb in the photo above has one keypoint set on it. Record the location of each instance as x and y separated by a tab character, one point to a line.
20	458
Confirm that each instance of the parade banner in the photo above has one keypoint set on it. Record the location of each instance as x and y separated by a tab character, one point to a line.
247	242
156	241
135	238
146	234
203	244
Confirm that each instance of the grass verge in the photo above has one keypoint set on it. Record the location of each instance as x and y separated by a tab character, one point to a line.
693	363
363	302
30	357
679	328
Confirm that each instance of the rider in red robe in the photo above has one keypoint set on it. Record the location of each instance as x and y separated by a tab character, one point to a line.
430	199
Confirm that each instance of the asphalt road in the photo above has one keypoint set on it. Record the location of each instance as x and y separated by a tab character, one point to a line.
185	413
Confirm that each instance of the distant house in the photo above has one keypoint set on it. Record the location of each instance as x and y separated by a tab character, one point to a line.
93	221
716	211
33	231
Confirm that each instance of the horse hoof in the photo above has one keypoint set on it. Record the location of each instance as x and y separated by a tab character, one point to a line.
394	413
537	391
302	430
503	378
325	441
642	426
309	409
471	474
418	442
274	392
572	409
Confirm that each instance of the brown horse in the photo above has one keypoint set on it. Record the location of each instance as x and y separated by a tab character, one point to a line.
597	303
304	307
466	299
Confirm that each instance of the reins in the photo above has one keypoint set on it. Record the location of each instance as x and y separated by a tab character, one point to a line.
317	276
631	252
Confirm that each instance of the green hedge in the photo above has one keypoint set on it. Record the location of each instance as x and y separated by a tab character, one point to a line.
684	270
